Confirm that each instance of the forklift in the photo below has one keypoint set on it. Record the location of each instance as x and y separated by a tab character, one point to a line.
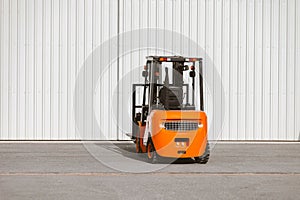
168	120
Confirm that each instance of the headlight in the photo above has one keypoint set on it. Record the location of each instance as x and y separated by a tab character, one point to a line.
162	125
200	125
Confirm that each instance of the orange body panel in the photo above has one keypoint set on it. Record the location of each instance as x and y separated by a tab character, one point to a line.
164	140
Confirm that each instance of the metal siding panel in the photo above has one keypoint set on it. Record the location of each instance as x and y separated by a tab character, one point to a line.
128	63
109	80
38	55
176	26
266	69
1	46
64	68
209	47
282	71
152	23
88	48
226	65
80	53
185	26
218	56
290	70
125	25
274	69
14	69
249	126
297	72
30	71
95	43
242	70
254	45
22	69
47	21
258	71
1	68
55	71
234	71
73	69
101	83
193	26
5	70
113	78
168	23
160	18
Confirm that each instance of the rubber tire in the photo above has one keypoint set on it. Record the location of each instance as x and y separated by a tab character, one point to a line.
152	156
138	148
205	157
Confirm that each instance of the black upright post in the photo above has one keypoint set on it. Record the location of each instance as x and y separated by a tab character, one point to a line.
133	110
201	85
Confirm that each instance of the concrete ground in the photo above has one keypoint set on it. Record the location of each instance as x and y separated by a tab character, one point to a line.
112	171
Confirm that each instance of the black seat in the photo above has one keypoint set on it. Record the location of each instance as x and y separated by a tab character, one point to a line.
171	97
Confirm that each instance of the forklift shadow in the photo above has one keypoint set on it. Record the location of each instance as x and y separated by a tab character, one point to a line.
128	150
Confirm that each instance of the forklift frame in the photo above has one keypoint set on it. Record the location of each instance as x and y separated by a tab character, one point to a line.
157	59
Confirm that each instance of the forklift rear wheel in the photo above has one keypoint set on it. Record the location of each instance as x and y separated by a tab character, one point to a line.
205	157
151	153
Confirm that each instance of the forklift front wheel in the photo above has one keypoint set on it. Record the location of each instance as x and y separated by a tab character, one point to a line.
151	153
138	146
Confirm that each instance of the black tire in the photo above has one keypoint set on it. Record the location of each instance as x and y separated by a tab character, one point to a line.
152	156
205	157
138	148
136	132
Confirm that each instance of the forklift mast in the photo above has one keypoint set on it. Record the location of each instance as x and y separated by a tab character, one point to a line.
166	96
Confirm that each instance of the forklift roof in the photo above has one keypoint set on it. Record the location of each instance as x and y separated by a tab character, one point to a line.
172	59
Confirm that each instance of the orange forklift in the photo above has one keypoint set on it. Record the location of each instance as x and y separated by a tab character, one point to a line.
168	119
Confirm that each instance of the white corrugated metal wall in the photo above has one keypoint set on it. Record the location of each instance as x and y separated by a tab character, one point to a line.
254	45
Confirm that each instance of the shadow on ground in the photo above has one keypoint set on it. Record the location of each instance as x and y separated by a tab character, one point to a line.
128	150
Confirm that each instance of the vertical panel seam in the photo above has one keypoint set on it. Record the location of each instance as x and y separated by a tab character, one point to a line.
229	81
118	64
156	26
18	76
109	56
286	67
68	64
51	62
84	69
34	72
189	47
26	47
76	59
213	75
165	26
1	17
254	67
197	17
295	91
92	91
9	73
270	72
181	27
262	72
43	24
238	72
246	74
59	70
222	105
278	76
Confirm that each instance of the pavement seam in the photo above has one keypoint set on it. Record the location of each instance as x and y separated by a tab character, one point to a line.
155	173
